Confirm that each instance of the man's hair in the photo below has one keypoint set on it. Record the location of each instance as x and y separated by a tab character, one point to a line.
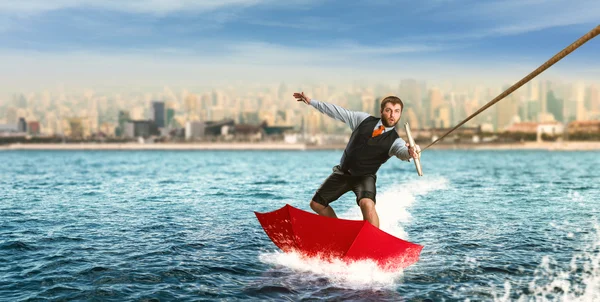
392	99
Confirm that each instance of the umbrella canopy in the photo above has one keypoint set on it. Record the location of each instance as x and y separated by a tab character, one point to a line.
292	229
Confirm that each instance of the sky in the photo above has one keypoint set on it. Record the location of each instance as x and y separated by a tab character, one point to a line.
144	43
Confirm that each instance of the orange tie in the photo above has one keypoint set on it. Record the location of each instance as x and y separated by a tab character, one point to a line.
378	131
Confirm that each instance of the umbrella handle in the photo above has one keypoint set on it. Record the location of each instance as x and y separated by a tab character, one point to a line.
411	143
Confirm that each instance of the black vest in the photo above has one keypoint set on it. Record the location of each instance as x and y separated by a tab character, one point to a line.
365	154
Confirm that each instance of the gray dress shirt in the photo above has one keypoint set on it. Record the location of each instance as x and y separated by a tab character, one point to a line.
354	118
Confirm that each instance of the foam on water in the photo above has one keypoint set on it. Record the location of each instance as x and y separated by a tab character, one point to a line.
553	282
393	208
393	204
355	275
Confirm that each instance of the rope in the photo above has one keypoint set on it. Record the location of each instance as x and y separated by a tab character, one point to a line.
557	57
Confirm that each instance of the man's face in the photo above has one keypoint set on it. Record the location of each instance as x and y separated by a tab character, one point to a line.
390	114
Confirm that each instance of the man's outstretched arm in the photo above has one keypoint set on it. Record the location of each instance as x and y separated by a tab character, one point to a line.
352	118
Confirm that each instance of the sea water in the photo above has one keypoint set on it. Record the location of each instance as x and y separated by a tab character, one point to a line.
179	225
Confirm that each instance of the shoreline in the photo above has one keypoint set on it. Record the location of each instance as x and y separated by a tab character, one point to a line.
550	146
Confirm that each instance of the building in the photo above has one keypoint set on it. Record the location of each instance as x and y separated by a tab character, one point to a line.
123	118
158	113
140	128
584	127
276	130
213	128
170	117
22	124
33	128
506	111
436	101
248	132
194	130
249	117
553	128
9	129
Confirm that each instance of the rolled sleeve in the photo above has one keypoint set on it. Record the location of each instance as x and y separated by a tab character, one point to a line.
400	150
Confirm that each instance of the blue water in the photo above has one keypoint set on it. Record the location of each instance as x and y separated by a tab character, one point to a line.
174	225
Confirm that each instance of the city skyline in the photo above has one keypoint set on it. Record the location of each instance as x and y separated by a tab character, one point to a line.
427	105
145	45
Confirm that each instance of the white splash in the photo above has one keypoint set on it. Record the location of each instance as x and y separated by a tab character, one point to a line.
355	275
580	282
393	208
393	204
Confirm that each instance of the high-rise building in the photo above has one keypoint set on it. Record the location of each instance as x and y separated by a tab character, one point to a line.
170	117
33	128
543	97
313	122
534	90
533	110
580	113
22	125
158	113
443	116
123	118
555	106
217	113
143	129
410	117
435	103
506	111
194	130
249	117
76	126
217	98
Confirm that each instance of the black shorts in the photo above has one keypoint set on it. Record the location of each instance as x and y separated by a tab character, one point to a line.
338	184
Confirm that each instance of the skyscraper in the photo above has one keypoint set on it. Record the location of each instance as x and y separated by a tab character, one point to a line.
435	103
158	113
506	111
555	106
22	125
170	116
543	97
123	118
579	96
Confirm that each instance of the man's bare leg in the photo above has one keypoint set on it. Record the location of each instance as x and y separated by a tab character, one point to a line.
322	210
367	207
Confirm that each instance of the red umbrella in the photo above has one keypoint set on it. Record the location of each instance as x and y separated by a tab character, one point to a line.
292	229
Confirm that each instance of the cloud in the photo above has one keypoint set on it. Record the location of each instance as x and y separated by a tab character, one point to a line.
131	6
307	23
246	62
138	6
210	41
336	53
515	17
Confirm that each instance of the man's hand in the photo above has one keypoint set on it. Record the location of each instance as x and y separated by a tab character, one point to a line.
301	97
414	152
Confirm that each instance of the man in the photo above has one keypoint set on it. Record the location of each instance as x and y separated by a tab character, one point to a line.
373	141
